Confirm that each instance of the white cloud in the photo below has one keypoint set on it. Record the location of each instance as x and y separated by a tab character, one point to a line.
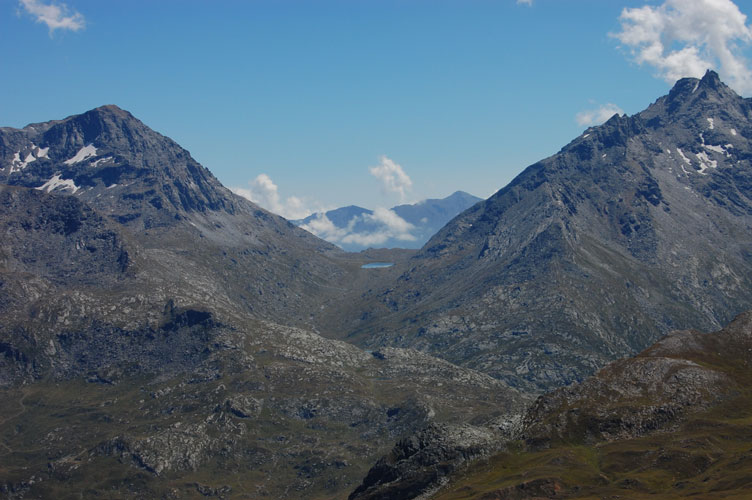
55	16
682	38
366	239
265	193
382	225
598	115
392	177
395	225
324	228
524	2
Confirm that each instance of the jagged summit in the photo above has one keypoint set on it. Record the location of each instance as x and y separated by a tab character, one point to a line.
690	85
94	122
693	98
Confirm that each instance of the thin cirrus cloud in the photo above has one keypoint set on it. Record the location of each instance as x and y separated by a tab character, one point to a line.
55	16
684	38
524	2
393	178
598	115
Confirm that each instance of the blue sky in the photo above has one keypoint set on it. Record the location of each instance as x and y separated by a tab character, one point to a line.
323	97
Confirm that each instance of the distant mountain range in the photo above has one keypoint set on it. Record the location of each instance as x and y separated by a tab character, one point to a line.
354	228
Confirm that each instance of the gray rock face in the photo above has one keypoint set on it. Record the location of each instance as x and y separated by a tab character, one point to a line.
58	238
108	148
418	464
637	227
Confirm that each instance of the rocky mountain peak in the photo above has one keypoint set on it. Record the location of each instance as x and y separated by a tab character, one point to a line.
112	160
104	127
711	79
692	99
700	87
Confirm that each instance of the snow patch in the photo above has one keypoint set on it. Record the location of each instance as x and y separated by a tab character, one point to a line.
697	84
112	186
686	160
57	183
711	123
100	160
83	153
17	165
705	162
35	153
733	131
586	136
710	147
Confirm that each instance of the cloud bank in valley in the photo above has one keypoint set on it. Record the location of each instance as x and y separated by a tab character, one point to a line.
367	230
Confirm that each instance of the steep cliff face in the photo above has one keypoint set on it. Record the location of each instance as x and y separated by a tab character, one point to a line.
637	227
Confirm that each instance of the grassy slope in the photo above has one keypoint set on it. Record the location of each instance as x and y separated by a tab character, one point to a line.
706	454
322	413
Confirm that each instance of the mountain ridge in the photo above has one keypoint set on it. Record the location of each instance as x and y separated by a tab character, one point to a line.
667	207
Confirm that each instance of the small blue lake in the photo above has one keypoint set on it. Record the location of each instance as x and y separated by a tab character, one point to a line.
377	265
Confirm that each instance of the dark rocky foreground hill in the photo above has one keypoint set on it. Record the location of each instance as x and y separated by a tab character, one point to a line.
637	227
672	422
151	342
